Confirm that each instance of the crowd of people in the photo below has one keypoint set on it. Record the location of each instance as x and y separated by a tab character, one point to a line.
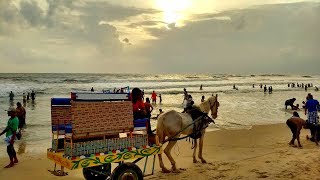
25	97
295	123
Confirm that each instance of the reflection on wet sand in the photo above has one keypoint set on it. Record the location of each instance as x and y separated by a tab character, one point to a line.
22	147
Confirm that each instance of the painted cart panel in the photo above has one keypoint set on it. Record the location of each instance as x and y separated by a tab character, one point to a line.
96	160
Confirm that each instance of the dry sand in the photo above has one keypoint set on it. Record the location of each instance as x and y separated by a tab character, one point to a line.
261	152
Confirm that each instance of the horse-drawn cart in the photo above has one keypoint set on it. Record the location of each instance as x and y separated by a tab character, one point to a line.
90	131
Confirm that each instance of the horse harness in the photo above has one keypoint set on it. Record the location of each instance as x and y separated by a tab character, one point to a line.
200	122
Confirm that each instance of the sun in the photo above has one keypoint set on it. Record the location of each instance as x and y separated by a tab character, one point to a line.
173	10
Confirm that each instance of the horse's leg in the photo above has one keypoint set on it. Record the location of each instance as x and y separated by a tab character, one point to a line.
195	151
164	169
167	151
200	149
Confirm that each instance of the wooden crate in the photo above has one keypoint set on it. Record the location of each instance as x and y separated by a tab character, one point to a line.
60	115
100	118
104	145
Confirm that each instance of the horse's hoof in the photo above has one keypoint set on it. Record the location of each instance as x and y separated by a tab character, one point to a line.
203	161
165	170
176	170
195	161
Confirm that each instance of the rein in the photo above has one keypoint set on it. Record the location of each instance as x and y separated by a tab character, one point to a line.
180	138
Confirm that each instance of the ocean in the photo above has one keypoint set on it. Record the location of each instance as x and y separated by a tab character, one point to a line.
239	109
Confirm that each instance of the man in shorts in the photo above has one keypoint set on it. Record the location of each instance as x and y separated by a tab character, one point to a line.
11	131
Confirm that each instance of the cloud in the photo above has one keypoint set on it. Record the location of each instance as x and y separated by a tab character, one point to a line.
64	33
252	40
93	36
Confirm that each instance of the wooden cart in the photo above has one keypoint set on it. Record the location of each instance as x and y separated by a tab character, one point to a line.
86	131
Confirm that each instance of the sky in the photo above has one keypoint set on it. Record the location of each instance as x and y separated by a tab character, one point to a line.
160	36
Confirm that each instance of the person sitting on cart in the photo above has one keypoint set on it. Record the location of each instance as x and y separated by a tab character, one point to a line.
139	109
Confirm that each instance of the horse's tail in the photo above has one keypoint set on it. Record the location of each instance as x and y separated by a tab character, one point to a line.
160	130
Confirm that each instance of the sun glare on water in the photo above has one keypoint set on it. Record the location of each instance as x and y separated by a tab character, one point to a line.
174	11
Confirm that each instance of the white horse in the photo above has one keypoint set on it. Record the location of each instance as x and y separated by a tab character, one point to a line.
172	124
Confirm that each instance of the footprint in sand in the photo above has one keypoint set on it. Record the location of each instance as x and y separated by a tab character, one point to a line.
259	174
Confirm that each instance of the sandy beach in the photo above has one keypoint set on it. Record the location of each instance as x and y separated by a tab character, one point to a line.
261	152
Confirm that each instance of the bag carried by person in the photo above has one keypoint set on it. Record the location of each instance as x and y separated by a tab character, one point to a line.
18	134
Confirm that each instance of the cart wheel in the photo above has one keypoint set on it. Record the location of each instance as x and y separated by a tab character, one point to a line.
127	171
97	172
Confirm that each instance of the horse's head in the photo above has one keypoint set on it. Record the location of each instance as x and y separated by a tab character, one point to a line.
207	119
214	105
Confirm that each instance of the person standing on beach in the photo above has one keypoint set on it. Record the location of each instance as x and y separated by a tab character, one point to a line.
149	107
252	85
154	97
11	131
11	96
33	95
311	108
265	89
21	114
295	123
92	90
28	96
160	98
201	87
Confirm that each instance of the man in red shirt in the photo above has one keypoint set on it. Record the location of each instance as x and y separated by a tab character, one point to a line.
139	110
154	97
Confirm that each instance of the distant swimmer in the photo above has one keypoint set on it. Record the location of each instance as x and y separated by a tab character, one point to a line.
290	102
316	88
185	95
234	87
33	95
252	85
92	90
201	87
21	114
24	98
202	99
154	97
11	96
160	98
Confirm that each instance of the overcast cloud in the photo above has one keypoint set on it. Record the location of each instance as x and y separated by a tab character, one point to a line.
112	36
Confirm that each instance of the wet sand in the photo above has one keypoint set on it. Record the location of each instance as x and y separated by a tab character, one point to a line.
261	152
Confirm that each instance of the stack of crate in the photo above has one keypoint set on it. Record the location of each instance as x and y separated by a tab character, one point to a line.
93	125
104	146
94	118
60	118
